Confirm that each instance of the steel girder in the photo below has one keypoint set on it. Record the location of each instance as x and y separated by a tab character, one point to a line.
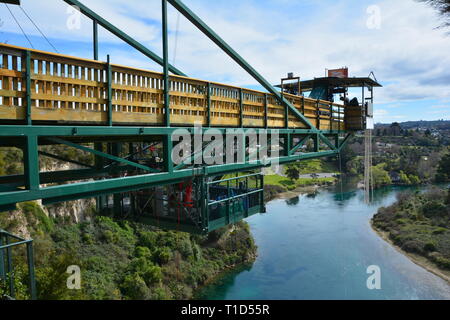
203	27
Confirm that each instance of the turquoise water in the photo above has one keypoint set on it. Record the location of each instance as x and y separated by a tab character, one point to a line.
319	248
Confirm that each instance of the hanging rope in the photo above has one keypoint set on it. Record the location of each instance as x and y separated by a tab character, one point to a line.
38	29
340	176
20	27
368	174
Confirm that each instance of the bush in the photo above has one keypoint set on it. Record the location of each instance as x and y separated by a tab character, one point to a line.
134	287
142	252
152	274
429	246
162	255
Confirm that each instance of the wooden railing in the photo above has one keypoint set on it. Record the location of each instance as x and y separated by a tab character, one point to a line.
71	90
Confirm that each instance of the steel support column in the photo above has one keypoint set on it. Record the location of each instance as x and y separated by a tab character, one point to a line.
109	92
95	38
266	112
208	104
31	163
27	73
241	108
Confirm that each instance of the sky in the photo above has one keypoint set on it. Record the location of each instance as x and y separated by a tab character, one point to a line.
398	40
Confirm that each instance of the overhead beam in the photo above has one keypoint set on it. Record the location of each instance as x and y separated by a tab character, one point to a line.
121	35
299	145
16	2
125	184
202	26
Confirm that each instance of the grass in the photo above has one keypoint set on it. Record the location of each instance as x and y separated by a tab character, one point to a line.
316	166
291	185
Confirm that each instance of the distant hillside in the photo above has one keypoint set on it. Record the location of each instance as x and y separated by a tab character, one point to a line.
435	124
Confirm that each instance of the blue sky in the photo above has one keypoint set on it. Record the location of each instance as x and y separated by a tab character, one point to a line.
398	40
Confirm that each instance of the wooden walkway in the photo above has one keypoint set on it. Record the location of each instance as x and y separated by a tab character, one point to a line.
70	90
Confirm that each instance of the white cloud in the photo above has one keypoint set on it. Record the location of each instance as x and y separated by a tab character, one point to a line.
407	53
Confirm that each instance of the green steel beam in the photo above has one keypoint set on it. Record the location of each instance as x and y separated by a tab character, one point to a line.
28	86
101	154
241	108
299	145
202	26
208	104
316	142
121	35
345	141
90	189
109	91
103	131
287	144
15	181
31	163
95	38
266	112
167	151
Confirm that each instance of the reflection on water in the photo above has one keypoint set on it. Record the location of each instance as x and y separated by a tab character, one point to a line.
319	248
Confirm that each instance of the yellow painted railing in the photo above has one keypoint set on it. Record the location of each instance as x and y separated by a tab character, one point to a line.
71	90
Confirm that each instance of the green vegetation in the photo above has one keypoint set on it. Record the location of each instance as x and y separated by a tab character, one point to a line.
124	260
419	223
403	154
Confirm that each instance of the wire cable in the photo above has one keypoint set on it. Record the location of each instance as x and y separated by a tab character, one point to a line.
176	39
23	32
38	29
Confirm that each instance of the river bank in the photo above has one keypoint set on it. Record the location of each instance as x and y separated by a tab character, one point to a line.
417	259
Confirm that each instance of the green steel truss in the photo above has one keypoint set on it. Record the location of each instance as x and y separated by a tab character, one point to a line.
7	243
114	173
26	187
29	137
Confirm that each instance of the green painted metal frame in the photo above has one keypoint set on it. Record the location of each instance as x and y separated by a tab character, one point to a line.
203	27
6	263
32	133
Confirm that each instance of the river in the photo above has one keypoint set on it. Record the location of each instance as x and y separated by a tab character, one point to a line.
319	247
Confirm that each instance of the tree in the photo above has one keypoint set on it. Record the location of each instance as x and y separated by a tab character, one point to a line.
443	171
443	7
380	176
292	172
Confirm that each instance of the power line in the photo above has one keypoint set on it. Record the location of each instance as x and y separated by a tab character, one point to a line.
23	32
40	31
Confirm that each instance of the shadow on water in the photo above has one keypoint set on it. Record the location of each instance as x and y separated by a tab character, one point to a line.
293	201
222	283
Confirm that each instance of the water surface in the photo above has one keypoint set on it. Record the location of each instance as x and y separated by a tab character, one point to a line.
319	247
